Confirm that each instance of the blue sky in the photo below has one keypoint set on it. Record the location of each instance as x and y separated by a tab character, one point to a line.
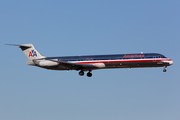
68	27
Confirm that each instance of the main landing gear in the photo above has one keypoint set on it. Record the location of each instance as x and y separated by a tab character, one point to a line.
81	73
89	74
164	70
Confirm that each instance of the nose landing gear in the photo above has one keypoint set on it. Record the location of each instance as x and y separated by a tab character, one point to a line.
164	70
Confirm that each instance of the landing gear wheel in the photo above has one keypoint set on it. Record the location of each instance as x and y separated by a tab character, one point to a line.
81	73
164	70
89	74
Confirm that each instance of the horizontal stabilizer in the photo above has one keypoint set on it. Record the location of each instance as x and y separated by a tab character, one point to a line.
23	47
18	45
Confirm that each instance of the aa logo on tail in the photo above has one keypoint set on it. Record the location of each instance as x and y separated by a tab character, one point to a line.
32	53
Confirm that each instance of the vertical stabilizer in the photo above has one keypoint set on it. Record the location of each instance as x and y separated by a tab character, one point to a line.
29	50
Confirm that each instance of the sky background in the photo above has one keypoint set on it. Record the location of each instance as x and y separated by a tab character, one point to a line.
81	27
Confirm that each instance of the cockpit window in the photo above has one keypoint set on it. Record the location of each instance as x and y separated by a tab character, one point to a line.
161	56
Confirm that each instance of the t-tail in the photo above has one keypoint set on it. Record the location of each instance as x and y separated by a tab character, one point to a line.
30	52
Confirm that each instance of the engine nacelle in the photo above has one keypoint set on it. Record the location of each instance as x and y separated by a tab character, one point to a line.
30	63
42	63
47	63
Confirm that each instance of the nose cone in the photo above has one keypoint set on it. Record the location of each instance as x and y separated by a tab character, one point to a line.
170	62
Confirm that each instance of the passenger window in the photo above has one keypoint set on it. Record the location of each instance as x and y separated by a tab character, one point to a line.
161	56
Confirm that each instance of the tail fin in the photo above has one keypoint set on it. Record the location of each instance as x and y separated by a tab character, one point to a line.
29	50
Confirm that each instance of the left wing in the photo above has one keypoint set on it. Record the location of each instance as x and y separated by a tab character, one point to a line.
76	66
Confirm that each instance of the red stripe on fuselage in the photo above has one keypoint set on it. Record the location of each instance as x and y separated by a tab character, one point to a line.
126	60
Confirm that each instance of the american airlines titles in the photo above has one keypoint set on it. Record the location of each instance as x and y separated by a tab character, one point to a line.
127	56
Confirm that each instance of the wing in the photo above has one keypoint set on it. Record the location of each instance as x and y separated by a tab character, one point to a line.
76	66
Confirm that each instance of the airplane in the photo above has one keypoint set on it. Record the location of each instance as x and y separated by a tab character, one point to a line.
94	62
